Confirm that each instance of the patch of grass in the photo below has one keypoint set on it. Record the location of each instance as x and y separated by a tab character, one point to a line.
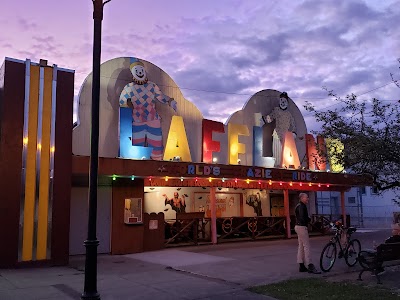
315	288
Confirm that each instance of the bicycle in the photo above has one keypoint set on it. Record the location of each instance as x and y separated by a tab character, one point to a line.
349	250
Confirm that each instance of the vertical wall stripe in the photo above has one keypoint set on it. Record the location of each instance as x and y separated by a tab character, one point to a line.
30	182
44	177
38	159
52	153
24	152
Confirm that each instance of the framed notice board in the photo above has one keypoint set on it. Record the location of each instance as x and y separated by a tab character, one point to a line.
133	211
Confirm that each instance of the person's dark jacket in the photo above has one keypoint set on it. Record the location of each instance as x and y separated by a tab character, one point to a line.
301	212
393	239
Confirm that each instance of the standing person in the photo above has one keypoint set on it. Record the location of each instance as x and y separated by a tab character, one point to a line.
301	228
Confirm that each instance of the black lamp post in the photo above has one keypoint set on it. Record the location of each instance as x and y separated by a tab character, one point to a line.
90	288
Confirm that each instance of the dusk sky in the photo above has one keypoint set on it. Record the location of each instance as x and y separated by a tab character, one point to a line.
221	52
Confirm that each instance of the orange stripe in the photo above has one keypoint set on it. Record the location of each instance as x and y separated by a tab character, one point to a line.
44	182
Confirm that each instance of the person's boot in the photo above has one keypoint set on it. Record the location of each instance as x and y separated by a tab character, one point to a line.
312	269
302	268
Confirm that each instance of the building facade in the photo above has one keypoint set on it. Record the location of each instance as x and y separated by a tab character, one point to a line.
366	206
167	175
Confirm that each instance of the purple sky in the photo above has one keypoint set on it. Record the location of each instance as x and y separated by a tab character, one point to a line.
221	52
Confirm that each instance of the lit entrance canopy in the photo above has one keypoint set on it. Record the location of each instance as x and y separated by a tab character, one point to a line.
166	173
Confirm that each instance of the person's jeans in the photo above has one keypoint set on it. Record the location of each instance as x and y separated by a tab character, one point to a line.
303	252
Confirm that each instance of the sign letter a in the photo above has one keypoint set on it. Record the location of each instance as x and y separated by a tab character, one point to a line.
177	142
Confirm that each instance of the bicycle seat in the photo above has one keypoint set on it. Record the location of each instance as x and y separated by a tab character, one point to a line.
351	230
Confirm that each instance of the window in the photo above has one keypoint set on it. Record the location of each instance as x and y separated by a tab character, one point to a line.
363	190
351	200
374	190
334	199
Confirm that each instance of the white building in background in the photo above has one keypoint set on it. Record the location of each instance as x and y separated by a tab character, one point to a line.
365	206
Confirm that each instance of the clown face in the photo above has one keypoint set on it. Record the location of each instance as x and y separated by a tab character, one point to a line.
139	73
283	103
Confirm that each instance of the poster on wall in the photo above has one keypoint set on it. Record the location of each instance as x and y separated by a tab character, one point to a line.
227	205
168	200
254	201
133	211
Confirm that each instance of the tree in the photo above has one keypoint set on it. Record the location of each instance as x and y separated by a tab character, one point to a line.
370	133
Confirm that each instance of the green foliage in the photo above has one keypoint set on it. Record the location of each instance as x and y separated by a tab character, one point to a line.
370	132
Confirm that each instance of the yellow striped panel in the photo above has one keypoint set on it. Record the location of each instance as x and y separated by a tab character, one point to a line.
30	183
44	180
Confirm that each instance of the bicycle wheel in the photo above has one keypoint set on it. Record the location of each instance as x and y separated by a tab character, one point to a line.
352	251
328	257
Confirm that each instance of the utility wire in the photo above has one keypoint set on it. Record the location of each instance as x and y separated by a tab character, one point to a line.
264	96
245	94
377	88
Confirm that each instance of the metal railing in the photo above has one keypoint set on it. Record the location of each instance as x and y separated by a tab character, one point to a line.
187	231
250	228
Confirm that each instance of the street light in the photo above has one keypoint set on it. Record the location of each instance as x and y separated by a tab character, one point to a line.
90	288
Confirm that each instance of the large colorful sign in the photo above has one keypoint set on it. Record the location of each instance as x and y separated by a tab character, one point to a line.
150	119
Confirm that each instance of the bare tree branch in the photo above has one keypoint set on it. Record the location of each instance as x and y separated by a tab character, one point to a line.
370	132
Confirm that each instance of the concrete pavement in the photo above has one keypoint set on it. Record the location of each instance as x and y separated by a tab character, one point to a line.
221	271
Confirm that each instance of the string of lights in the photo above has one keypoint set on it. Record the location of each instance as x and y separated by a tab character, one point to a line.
236	181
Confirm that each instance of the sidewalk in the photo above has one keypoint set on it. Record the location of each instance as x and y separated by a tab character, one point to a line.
221	271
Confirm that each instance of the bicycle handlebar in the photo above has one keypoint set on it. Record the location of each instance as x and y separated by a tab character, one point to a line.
338	228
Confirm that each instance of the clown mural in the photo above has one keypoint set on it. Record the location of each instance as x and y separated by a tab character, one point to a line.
277	124
140	97
178	203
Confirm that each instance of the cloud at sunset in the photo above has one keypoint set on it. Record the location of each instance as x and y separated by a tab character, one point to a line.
220	53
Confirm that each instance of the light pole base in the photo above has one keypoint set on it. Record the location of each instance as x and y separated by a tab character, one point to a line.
91	296
90	289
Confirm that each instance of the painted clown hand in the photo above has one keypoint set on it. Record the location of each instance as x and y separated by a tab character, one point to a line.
173	104
265	119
